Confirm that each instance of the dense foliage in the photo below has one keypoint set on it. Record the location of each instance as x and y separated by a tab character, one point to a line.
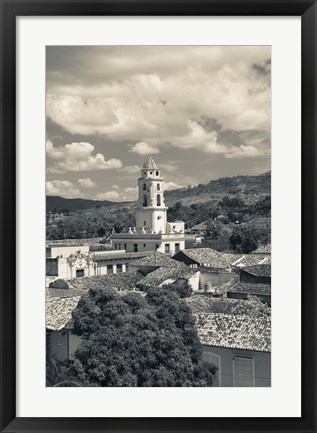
131	340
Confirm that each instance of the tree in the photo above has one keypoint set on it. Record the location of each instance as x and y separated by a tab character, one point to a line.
243	239
132	340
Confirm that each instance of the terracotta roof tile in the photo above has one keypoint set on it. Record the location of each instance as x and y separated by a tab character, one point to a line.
251	288
258	270
59	311
234	331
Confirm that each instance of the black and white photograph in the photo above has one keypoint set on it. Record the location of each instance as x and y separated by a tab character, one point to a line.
158	216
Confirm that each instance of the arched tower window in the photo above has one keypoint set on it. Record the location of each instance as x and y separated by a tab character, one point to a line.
144	200
158	200
144	187
157	173
158	187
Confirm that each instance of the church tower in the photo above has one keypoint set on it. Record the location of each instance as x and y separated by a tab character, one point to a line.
151	213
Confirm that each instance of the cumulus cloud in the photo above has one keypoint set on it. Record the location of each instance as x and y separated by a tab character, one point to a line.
168	186
109	195
78	157
143	148
119	194
230	84
245	151
87	183
62	188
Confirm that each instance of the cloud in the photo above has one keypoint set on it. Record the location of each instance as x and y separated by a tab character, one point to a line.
87	183
119	194
62	188
109	195
100	90
143	148
168	186
78	157
245	151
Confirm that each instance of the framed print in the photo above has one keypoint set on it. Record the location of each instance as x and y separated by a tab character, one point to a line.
164	156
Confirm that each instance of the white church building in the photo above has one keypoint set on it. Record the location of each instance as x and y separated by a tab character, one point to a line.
152	231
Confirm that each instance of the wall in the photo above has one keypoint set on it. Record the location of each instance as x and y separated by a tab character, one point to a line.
262	365
216	278
61	344
66	251
57	344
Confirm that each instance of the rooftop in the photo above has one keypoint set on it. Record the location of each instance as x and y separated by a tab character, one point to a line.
258	270
251	289
157	259
59	311
121	281
159	276
234	331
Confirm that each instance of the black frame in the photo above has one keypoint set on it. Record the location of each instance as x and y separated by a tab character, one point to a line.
9	10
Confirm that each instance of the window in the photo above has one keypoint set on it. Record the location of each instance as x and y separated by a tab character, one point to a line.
144	187
157	246
243	371
158	187
167	248
115	246
119	268
159	217
109	269
119	246
144	200
157	173
216	360
144	245
158	200
144	223
80	273
151	172
125	246
135	248
176	248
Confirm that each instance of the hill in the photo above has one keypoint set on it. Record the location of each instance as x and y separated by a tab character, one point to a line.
56	202
248	188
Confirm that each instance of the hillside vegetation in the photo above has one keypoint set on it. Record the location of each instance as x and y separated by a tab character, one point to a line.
220	204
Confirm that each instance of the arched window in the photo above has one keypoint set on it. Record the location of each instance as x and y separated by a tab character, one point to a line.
158	186
144	187
158	200
144	200
157	173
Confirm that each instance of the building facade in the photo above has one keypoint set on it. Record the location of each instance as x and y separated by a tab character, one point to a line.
152	231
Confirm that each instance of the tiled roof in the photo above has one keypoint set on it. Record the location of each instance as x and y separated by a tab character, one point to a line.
121	281
216	259
208	256
251	288
156	259
59	311
162	274
258	270
234	331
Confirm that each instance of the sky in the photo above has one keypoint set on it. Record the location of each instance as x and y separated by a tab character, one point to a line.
202	112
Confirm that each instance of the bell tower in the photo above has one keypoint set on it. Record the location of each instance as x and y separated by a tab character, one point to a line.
151	210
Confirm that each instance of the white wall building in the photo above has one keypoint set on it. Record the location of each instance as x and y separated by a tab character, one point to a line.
152	231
